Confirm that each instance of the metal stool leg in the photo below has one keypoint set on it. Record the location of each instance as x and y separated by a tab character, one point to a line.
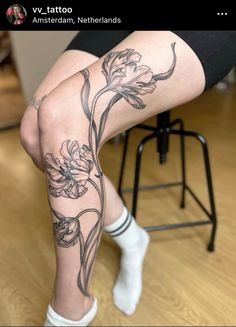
182	157
211	244
183	164
137	171
123	161
212	216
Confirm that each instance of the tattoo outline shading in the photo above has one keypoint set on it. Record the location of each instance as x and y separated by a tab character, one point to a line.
36	102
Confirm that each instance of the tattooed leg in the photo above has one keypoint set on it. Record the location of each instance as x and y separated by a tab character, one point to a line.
75	183
69	63
116	92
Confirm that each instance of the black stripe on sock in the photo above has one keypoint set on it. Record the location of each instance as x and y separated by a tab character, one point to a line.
118	228
125	228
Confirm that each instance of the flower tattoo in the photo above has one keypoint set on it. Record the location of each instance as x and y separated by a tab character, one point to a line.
125	77
68	178
79	168
67	231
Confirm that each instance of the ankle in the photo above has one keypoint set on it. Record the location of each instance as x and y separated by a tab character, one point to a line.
72	307
139	239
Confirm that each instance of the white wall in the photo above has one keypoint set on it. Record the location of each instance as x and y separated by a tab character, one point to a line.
35	52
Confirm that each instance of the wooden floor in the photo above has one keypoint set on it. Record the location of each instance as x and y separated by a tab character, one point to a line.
183	283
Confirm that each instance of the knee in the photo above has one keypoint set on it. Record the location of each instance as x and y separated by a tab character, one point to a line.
49	118
29	132
60	116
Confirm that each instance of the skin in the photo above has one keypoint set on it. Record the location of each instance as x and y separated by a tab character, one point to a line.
61	117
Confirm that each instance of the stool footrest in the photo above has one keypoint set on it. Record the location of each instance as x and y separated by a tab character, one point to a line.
151	187
179	225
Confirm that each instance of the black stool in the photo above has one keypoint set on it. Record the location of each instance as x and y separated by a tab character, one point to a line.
161	132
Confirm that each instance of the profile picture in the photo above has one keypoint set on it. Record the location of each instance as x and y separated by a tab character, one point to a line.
16	14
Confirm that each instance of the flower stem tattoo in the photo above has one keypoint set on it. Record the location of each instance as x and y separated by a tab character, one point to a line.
78	170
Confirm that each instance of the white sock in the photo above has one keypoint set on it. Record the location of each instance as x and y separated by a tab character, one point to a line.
133	241
54	319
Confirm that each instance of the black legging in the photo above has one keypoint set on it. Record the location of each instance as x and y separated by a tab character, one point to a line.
215	49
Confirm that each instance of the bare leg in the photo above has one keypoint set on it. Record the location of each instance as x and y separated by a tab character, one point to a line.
58	122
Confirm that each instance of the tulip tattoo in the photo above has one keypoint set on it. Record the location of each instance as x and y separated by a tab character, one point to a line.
68	179
78	170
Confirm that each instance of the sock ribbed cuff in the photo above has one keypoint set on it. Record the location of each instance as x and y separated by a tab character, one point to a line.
120	225
54	319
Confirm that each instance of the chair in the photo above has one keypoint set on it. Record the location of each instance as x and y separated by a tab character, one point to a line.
164	127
